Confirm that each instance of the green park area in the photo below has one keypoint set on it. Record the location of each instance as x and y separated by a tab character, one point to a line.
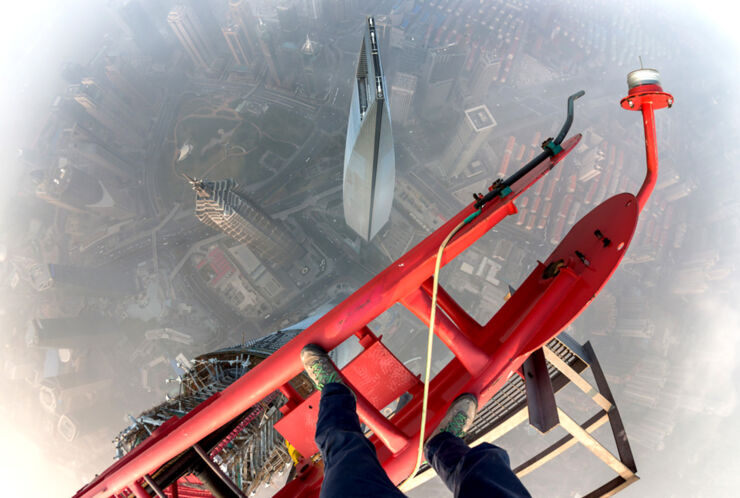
225	144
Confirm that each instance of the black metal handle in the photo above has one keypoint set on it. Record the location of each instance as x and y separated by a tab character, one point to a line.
500	185
569	118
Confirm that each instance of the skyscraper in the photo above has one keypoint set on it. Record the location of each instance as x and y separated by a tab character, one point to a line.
109	111
474	128
76	332
383	29
203	10
287	18
269	52
402	95
485	72
143	30
189	31
105	94
224	206
309	55
313	9
129	84
369	157
98	281
443	68
241	13
237	44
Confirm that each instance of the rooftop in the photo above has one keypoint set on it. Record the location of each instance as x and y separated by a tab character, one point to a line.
480	118
405	81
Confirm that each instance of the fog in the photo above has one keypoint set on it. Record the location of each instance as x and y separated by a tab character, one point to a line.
109	279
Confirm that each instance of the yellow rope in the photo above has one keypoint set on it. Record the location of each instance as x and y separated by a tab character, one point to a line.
430	337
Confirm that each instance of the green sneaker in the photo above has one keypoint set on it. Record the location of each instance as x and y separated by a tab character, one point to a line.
319	367
460	416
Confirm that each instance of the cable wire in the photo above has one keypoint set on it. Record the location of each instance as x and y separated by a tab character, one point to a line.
430	337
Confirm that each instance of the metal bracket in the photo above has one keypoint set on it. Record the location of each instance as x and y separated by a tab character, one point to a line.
552	147
543	411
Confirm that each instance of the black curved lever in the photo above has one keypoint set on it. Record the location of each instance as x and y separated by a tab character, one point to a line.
502	185
569	118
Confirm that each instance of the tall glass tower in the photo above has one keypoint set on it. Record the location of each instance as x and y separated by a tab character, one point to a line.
369	158
224	206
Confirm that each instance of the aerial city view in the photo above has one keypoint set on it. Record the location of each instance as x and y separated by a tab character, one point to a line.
191	183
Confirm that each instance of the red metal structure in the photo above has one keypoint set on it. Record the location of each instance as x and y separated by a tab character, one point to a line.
486	355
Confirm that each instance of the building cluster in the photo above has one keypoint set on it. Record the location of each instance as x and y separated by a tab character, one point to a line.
111	282
103	277
267	267
515	45
251	452
245	44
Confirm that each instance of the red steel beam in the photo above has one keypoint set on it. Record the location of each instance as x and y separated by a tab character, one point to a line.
651	155
397	281
138	490
472	357
383	428
537	311
452	309
646	98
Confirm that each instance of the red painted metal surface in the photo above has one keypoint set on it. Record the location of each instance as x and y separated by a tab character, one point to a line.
647	98
473	358
187	487
379	376
485	356
375	372
139	490
392	285
239	428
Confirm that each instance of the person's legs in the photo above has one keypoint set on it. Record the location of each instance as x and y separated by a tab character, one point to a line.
351	466
483	471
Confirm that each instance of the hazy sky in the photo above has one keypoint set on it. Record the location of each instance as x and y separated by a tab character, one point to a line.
37	37
26	470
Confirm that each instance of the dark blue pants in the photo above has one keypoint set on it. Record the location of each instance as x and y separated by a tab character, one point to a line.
352	469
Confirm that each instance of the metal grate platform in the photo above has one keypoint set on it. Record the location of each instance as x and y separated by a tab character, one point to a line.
512	398
519	400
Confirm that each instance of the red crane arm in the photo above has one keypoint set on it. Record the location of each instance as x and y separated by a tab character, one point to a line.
485	356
